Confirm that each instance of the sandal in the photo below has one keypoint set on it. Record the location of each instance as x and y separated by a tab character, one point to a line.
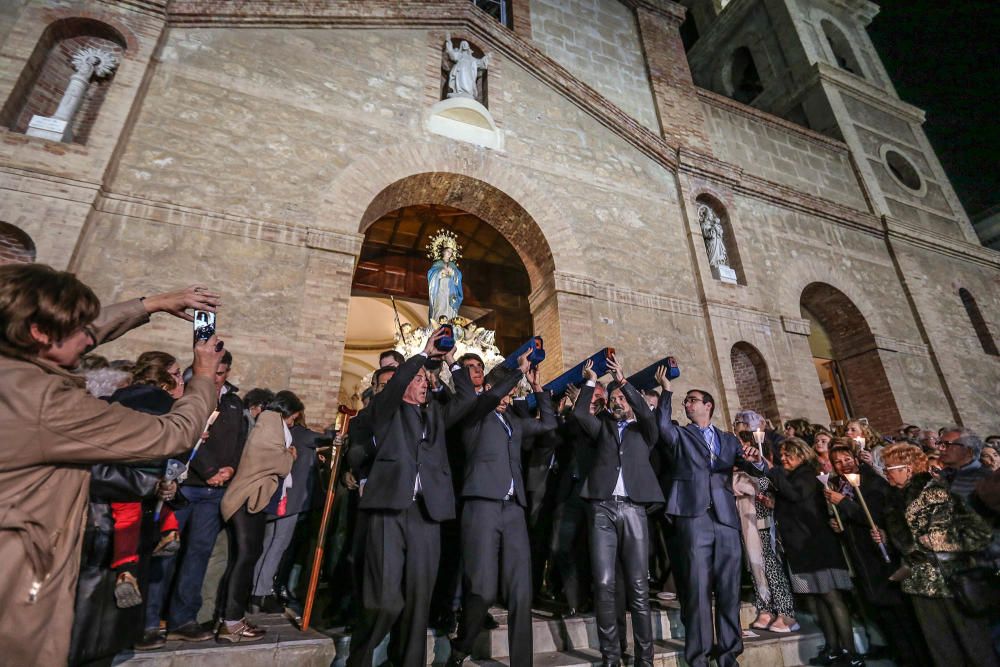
127	591
760	625
169	544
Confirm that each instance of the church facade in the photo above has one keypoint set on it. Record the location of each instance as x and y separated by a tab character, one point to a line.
735	183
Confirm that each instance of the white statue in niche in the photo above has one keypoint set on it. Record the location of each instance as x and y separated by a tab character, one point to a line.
88	62
711	229
464	73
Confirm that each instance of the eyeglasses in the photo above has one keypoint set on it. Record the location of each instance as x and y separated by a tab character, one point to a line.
899	467
692	399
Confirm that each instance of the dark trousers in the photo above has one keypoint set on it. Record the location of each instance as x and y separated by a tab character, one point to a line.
619	530
495	542
954	638
706	556
199	523
569	549
246	543
400	564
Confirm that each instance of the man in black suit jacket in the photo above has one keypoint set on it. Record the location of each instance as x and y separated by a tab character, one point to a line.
406	494
620	486
494	530
705	542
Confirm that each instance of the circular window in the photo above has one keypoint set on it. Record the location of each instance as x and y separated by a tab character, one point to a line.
903	170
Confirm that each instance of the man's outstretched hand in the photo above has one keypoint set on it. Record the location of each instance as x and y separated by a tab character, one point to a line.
195	297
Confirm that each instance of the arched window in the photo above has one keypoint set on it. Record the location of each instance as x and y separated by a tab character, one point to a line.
978	323
753	381
16	246
689	31
46	77
843	54
744	78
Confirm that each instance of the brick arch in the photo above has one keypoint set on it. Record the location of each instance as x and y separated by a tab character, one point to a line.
486	202
753	381
856	353
356	188
16	246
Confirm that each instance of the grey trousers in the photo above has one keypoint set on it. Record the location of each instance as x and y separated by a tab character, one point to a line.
277	536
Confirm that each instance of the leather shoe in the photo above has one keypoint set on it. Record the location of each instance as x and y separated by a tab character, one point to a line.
189	632
242	632
456	659
151	640
570	613
490	623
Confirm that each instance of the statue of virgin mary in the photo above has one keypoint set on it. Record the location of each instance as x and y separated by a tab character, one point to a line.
444	279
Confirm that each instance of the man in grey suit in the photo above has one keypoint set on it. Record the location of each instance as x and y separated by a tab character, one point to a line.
494	530
705	544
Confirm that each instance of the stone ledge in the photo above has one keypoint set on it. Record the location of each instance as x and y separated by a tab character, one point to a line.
596	289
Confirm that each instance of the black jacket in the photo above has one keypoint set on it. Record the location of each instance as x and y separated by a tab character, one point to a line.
224	446
492	457
803	522
630	455
304	472
871	571
396	459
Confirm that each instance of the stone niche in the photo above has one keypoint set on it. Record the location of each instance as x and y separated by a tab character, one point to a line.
464	119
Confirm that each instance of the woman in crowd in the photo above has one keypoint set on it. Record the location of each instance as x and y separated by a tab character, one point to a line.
883	599
869	443
754	503
282	520
265	467
990	457
48	318
818	570
937	534
821	443
798	428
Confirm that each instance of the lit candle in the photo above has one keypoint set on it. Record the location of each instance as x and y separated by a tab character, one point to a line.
758	437
855	481
861	442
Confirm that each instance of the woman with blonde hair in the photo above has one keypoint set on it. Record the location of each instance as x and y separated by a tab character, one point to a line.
816	562
937	534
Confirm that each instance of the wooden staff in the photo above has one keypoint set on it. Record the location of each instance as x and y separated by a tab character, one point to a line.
327	510
855	480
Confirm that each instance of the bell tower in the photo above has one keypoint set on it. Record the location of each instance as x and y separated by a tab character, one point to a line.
813	63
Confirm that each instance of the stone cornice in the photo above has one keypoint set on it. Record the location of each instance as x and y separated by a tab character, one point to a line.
156	8
863	90
731	105
140	208
672	11
897	230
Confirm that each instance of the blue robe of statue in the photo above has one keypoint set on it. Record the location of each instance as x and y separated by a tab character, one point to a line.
445	291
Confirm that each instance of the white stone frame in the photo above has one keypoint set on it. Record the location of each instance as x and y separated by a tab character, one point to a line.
883	152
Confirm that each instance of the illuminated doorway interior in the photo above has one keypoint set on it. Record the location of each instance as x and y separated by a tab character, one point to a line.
394	263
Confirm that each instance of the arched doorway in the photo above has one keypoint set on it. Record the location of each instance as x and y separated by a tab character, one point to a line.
847	359
753	381
506	265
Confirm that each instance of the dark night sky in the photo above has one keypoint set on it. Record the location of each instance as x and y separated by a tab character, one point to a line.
944	57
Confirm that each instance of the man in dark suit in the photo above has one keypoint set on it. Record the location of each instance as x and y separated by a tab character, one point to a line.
620	486
705	542
494	529
405	496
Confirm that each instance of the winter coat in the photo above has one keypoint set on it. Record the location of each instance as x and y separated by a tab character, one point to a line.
937	533
803	523
53	431
264	461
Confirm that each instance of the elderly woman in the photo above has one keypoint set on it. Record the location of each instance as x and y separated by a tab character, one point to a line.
754	503
264	468
818	570
937	534
54	430
883	600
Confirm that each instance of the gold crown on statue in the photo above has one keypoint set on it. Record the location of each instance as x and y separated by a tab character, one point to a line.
444	239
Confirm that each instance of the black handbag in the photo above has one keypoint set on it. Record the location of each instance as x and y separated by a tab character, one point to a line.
976	589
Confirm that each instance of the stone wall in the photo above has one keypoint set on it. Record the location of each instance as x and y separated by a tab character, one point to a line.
598	41
781	152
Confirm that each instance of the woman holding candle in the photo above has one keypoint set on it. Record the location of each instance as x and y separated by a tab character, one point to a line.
859	494
818	569
821	443
937	534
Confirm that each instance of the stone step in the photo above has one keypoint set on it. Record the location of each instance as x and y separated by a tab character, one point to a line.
767	650
551	634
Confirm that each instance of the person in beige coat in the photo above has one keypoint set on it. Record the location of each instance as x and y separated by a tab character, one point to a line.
53	430
265	464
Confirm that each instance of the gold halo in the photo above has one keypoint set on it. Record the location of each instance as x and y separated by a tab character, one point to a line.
444	239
